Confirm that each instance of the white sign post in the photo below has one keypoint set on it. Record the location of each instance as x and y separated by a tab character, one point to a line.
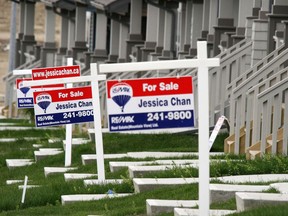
202	63
203	140
97	123
68	135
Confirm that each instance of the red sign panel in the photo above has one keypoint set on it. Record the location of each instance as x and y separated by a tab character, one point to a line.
56	72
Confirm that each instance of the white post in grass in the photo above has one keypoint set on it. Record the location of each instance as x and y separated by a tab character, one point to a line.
97	123
68	136
24	189
203	140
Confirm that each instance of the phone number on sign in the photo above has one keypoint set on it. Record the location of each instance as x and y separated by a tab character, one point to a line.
83	113
176	115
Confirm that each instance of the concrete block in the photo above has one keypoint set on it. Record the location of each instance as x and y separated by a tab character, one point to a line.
37	145
77	176
41	154
15	139
28	186
15	128
15	163
159	154
55	170
246	201
147	184
76	142
195	212
98	182
116	166
156	206
3	124
224	192
49	149
91	158
10	182
282	187
67	199
253	178
177	161
137	171
54	140
166	154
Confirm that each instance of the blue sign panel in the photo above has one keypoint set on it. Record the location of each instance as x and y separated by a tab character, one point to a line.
63	106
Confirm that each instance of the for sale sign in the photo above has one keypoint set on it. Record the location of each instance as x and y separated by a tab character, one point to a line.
63	106
156	103
25	94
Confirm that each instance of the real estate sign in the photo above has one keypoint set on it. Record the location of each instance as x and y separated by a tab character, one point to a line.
154	103
25	94
63	106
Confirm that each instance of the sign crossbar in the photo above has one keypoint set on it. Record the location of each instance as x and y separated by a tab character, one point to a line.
158	65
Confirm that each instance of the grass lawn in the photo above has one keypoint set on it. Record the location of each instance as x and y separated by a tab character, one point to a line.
46	200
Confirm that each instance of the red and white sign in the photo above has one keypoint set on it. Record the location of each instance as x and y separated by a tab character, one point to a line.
25	94
56	72
63	106
154	103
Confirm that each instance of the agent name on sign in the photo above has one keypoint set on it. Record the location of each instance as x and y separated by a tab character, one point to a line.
174	101
70	105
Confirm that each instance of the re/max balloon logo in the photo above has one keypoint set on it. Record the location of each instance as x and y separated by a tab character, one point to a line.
121	93
23	89
44	100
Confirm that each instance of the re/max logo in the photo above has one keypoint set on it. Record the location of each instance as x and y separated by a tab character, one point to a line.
122	119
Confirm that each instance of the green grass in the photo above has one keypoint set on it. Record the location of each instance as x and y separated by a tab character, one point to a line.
45	200
279	210
266	165
132	205
42	134
18	122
